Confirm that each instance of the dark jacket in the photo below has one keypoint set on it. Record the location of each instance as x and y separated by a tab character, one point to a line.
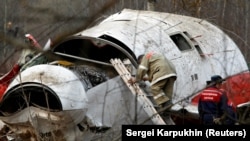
212	104
230	114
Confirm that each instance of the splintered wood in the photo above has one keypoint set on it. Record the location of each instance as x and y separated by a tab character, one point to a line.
138	92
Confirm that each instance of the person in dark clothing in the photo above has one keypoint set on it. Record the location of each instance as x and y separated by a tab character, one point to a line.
213	102
230	116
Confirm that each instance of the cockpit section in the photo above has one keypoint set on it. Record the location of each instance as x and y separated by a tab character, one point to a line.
91	50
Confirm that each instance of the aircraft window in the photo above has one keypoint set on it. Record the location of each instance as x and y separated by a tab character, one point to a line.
194	77
198	49
180	42
192	39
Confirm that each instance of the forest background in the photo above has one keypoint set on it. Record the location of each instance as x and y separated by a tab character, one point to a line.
56	19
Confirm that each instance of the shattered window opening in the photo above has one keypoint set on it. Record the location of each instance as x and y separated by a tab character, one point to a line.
196	45
180	42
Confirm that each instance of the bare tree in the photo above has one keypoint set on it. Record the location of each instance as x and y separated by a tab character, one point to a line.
151	5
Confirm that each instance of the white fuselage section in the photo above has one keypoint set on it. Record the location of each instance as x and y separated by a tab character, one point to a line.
210	50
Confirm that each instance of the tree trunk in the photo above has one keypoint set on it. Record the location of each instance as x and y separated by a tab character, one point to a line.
151	5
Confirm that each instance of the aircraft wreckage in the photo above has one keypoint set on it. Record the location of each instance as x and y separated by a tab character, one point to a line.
79	95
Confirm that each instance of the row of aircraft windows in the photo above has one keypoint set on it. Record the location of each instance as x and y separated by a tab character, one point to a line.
182	43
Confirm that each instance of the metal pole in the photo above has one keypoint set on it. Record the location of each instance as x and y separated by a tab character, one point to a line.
83	59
